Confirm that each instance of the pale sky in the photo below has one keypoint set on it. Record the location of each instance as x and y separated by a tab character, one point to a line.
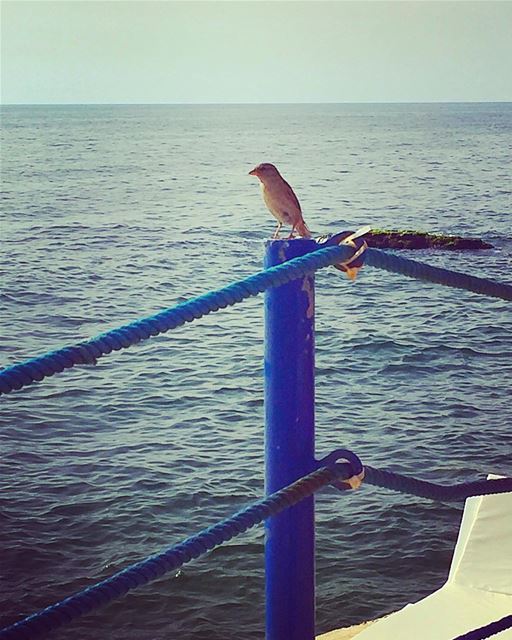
186	52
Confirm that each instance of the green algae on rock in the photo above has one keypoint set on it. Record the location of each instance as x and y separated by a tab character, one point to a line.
407	239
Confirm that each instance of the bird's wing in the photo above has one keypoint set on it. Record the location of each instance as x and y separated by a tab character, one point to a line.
291	195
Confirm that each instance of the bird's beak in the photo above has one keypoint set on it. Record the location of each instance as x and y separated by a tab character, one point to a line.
252	172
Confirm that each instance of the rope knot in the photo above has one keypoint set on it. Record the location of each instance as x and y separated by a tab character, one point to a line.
354	240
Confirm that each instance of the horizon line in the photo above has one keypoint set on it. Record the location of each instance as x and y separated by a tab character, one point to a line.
284	103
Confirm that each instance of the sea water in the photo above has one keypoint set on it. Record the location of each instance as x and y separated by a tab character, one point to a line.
112	213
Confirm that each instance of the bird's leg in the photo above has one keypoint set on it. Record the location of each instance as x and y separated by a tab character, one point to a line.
291	232
276	232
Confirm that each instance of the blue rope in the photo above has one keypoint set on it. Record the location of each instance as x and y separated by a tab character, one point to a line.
19	375
488	630
446	277
432	491
157	565
35	369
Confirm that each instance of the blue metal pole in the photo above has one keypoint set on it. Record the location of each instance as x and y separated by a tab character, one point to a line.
289	447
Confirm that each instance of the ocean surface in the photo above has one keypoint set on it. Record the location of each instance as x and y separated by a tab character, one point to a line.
112	213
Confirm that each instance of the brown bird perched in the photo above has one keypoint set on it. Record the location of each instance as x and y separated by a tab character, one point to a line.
280	200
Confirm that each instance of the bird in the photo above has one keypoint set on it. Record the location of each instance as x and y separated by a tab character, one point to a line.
280	200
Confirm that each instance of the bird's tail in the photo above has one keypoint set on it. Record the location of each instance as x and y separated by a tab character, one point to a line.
302	229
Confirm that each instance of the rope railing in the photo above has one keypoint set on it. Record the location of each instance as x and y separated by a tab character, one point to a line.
157	565
437	275
87	352
329	471
487	630
432	491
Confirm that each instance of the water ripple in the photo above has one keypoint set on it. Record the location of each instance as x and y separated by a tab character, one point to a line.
105	465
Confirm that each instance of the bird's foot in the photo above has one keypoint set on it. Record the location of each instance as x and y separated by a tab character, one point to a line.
276	232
